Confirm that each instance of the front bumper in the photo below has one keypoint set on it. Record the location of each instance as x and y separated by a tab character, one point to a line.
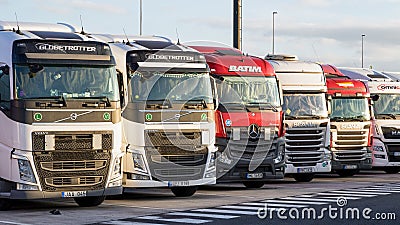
17	194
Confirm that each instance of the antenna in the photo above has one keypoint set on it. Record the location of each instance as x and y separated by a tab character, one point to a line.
126	36
82	31
177	36
18	31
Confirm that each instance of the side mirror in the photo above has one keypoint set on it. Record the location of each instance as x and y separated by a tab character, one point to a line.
375	98
329	104
121	87
214	91
4	69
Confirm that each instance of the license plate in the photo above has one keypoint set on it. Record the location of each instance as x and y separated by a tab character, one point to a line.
254	175
397	154
178	183
350	167
73	194
305	170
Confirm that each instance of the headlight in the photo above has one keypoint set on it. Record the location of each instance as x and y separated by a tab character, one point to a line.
212	161
117	166
138	162
25	171
378	148
224	158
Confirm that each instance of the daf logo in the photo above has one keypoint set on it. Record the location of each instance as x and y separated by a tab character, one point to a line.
73	116
254	131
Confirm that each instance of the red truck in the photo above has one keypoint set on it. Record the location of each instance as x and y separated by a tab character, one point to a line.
249	119
351	124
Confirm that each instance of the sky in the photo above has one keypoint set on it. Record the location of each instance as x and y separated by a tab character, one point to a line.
326	31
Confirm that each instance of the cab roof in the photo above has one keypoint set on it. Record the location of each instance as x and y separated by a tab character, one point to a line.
346	87
230	61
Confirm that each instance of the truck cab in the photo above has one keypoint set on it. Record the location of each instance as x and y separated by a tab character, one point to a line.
168	118
60	115
249	118
351	122
385	93
307	125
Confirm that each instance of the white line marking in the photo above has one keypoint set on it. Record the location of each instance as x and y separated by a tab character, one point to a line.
14	223
382	190
239	207
120	222
274	205
294	202
354	193
336	196
311	199
226	211
348	196
361	191
184	220
216	216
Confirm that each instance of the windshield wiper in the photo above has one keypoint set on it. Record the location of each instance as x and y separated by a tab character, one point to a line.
234	106
159	103
393	116
104	99
357	118
338	119
61	101
262	104
195	103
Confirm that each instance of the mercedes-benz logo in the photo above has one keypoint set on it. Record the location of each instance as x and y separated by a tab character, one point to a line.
254	131
73	116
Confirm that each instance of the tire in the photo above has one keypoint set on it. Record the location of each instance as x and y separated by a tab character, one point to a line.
253	184
392	170
347	173
184	191
304	177
90	201
5	204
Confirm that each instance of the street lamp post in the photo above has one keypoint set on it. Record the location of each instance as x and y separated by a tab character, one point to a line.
362	50
140	17
273	31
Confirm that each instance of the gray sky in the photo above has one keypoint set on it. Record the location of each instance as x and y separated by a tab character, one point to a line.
328	31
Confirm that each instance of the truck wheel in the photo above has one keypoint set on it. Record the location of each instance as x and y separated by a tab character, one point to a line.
392	170
304	177
184	191
253	184
5	204
90	201
347	173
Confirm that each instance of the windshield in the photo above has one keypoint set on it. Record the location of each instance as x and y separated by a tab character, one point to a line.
146	86
350	108
387	104
66	81
247	90
305	105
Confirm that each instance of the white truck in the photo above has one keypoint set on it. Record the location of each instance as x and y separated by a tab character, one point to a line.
386	95
168	118
306	116
60	115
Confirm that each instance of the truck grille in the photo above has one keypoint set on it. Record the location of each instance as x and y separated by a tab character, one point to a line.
392	148
305	146
350	145
73	181
175	155
75	160
252	149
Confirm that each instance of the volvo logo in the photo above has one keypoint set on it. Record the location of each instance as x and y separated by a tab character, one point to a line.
254	131
177	116
73	116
